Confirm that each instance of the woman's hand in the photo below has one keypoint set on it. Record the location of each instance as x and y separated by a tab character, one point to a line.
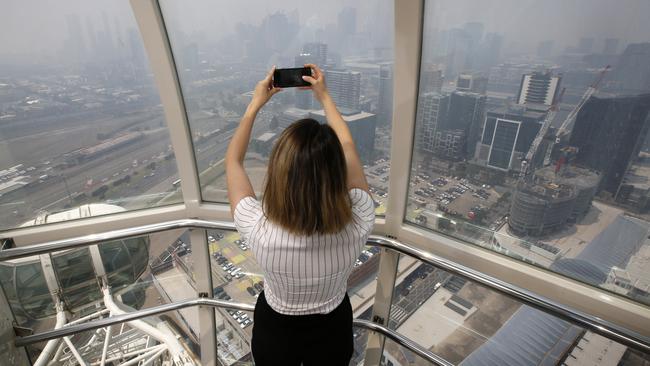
264	90
317	81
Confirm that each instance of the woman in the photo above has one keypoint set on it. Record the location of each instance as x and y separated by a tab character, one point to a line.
306	233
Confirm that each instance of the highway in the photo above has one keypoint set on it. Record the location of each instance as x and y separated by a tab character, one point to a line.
64	183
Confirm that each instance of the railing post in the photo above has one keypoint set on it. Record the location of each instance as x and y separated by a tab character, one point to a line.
381	309
203	274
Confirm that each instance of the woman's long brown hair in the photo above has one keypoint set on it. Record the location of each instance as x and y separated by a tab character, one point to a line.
305	191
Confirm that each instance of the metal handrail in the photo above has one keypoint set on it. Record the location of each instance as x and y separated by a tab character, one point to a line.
592	323
119	319
86	240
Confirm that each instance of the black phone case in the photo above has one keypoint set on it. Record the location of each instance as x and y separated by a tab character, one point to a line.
290	78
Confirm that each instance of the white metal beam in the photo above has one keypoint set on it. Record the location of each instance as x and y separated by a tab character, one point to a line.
202	269
161	58
406	77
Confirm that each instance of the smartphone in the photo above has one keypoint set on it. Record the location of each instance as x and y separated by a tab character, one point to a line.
289	78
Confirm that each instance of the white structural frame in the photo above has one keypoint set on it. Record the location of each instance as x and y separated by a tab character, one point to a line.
409	18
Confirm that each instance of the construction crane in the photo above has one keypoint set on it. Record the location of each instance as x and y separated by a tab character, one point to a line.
570	119
550	116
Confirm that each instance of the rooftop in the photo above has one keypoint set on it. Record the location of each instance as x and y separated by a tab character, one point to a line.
346	117
570	174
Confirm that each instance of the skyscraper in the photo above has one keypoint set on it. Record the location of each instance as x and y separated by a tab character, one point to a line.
385	102
74	44
362	126
450	144
431	79
507	136
344	87
430	113
539	88
465	112
317	53
472	83
609	133
347	21
631	73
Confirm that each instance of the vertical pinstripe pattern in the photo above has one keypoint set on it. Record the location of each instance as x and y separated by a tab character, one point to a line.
305	274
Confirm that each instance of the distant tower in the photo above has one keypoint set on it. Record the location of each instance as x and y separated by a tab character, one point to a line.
632	71
609	133
539	88
74	44
465	112
347	21
385	102
317	53
345	88
430	115
431	79
472	83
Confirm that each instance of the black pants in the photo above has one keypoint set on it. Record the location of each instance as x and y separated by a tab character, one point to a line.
288	340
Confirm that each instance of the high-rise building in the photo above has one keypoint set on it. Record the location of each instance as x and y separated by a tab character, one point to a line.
466	112
385	102
609	133
362	126
539	88
344	87
506	77
431	110
472	83
507	136
450	144
631	73
431	79
291	115
459	52
489	52
347	21
316	52
74	44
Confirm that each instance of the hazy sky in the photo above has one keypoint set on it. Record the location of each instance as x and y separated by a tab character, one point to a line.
28	26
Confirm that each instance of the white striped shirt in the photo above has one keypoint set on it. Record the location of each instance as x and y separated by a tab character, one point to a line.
305	274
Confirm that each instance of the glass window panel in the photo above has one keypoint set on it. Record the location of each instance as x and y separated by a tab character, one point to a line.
32	291
222	49
75	272
474	325
81	124
535	143
142	272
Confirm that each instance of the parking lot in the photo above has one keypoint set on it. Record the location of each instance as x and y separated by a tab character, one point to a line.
377	175
453	196
235	275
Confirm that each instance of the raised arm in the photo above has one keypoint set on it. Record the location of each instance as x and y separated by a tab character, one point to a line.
239	185
356	176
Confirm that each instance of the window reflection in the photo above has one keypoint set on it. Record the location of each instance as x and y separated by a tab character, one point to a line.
536	147
220	62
